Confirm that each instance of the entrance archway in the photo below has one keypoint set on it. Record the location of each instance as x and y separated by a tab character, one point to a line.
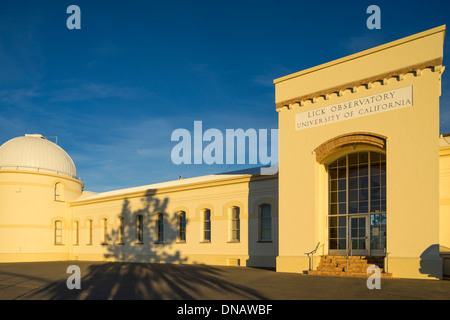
357	204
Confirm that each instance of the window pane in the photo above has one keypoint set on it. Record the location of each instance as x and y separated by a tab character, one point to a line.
374	157
383	180
342	162
364	182
363	157
375	205
266	234
342	221
352	159
333	185
265	211
375	193
353	207
332	222
342	232
342	184
353	195
207	215
333	244
363	207
375	181
334	197
265	223
235	213
333	233
342	173
160	227
182	226
333	209
363	170
383	205
363	194
353	183
333	173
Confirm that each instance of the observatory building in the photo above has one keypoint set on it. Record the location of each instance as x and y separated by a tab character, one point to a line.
364	176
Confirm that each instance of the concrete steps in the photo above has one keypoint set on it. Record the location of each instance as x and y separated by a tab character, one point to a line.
343	266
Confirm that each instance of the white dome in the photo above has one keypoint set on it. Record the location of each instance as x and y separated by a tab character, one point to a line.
34	152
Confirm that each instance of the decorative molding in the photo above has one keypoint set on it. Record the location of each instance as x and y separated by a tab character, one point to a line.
435	65
335	143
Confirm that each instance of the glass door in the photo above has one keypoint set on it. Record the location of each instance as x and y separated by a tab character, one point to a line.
358	235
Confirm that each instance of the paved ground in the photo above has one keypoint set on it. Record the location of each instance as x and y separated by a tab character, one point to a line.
121	281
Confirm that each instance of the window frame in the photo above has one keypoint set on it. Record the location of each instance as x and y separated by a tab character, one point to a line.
121	230
262	220
139	229
235	224
59	192
58	233
105	231
356	188
77	232
206	229
90	232
181	227
159	225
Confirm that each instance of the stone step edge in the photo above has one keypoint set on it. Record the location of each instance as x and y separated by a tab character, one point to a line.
346	274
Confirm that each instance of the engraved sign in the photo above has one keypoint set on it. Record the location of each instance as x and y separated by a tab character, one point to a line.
365	106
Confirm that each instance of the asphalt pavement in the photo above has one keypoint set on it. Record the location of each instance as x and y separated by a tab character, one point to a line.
145	281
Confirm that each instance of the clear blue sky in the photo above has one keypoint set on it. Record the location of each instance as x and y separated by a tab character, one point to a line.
114	91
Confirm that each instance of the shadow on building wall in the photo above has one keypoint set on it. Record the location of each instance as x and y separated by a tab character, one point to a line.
262	190
429	263
262	251
138	240
142	267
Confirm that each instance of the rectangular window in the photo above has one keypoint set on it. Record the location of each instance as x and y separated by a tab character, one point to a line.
105	231
265	223
182	226
207	225
90	226
59	192
121	229
235	224
139	229
58	232
160	228
76	235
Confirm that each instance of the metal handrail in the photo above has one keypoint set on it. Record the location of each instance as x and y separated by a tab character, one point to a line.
312	256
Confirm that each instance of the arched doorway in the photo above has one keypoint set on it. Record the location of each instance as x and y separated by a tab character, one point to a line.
357	204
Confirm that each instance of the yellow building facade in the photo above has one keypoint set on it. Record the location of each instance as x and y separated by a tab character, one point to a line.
225	219
362	172
359	158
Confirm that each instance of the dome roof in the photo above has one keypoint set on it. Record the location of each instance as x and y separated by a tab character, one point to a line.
34	152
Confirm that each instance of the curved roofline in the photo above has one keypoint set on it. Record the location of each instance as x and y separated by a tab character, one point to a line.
35	153
24	171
